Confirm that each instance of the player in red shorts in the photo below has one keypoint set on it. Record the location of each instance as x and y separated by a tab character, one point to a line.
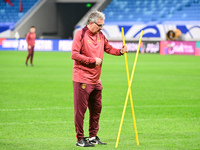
30	39
89	45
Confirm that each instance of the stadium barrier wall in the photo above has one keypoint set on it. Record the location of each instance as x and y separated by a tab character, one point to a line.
65	45
40	44
179	48
162	47
145	47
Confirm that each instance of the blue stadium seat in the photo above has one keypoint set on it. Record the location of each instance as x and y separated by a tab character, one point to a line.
11	14
152	10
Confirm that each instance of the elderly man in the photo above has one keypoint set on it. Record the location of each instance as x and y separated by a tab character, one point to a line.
88	48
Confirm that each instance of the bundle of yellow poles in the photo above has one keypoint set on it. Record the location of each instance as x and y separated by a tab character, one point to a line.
129	90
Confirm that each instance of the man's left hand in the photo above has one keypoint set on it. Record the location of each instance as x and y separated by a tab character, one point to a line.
124	49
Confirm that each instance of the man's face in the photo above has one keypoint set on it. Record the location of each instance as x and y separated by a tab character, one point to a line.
32	30
97	26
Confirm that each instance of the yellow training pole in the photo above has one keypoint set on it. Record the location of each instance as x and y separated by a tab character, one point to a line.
131	99
129	87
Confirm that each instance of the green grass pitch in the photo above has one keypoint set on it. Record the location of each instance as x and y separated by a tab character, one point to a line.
36	103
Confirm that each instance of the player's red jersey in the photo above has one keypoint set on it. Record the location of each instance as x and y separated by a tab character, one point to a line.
86	47
30	38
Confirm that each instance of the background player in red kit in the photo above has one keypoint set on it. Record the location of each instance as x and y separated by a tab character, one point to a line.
30	39
88	47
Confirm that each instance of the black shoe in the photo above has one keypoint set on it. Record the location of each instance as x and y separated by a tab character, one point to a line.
96	140
84	143
26	64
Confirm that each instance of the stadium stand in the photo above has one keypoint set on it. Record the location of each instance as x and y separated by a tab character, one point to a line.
152	10
155	17
9	15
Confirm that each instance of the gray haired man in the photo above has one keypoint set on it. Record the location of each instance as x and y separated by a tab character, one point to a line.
88	47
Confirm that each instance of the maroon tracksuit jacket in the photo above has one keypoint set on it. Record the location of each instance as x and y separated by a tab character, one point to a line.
30	39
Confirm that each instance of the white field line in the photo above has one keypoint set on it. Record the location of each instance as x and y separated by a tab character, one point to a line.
61	108
27	109
117	120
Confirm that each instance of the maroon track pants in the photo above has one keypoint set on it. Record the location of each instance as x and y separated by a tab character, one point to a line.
87	95
30	54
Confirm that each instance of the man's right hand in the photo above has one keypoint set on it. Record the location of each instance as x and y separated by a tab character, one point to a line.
29	47
98	61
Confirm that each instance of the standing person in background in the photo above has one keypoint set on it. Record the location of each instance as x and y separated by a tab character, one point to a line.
88	47
30	39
